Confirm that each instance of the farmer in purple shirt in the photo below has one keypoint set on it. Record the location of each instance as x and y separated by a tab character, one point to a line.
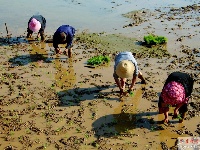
126	67
64	35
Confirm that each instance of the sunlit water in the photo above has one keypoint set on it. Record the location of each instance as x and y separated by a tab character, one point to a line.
92	15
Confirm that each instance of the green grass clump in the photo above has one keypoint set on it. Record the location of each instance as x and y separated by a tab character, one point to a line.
98	60
154	40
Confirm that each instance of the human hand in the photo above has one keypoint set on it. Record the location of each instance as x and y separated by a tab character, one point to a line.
175	116
121	92
58	51
166	120
176	112
38	36
65	51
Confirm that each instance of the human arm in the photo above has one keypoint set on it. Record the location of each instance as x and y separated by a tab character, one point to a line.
55	44
166	120
163	108
69	41
55	41
120	84
132	83
177	108
70	35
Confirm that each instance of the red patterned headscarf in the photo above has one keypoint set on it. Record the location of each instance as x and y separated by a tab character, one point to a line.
173	93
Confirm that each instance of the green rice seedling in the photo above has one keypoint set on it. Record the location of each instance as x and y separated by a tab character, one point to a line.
45	145
95	144
78	130
126	130
98	60
131	94
71	123
11	133
154	39
28	131
86	135
58	130
153	128
179	117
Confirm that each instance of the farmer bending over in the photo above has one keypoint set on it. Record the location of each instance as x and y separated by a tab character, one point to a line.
126	67
64	35
176	92
36	23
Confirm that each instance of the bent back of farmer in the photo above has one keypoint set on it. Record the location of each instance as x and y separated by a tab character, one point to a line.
64	35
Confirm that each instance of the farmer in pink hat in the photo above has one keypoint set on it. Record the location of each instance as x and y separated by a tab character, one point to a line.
36	23
64	35
126	67
176	92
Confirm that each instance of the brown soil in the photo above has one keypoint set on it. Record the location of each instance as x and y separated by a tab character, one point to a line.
52	102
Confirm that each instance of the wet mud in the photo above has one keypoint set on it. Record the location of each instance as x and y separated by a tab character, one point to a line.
54	102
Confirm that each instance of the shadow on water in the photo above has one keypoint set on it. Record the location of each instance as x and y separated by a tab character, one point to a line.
37	53
65	77
73	96
120	124
29	58
125	118
4	41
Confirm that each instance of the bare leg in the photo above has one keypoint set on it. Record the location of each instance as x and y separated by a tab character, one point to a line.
140	76
119	85
70	52
166	120
182	117
38	36
29	34
123	81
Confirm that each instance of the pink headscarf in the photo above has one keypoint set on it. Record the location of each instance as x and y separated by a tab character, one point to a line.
174	93
34	25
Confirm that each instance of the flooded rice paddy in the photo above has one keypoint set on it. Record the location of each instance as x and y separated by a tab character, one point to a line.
53	102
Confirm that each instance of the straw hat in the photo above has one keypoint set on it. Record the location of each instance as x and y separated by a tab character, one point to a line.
34	25
173	93
125	69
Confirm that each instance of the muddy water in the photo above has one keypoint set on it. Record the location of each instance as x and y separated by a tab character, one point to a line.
133	102
133	122
65	76
96	16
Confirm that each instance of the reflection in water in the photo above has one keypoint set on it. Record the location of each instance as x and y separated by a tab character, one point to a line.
38	53
126	118
38	48
167	135
65	78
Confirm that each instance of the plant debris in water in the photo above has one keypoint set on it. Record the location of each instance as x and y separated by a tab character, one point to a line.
112	43
105	42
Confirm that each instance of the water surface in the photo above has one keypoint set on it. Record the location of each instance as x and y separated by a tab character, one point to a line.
92	15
